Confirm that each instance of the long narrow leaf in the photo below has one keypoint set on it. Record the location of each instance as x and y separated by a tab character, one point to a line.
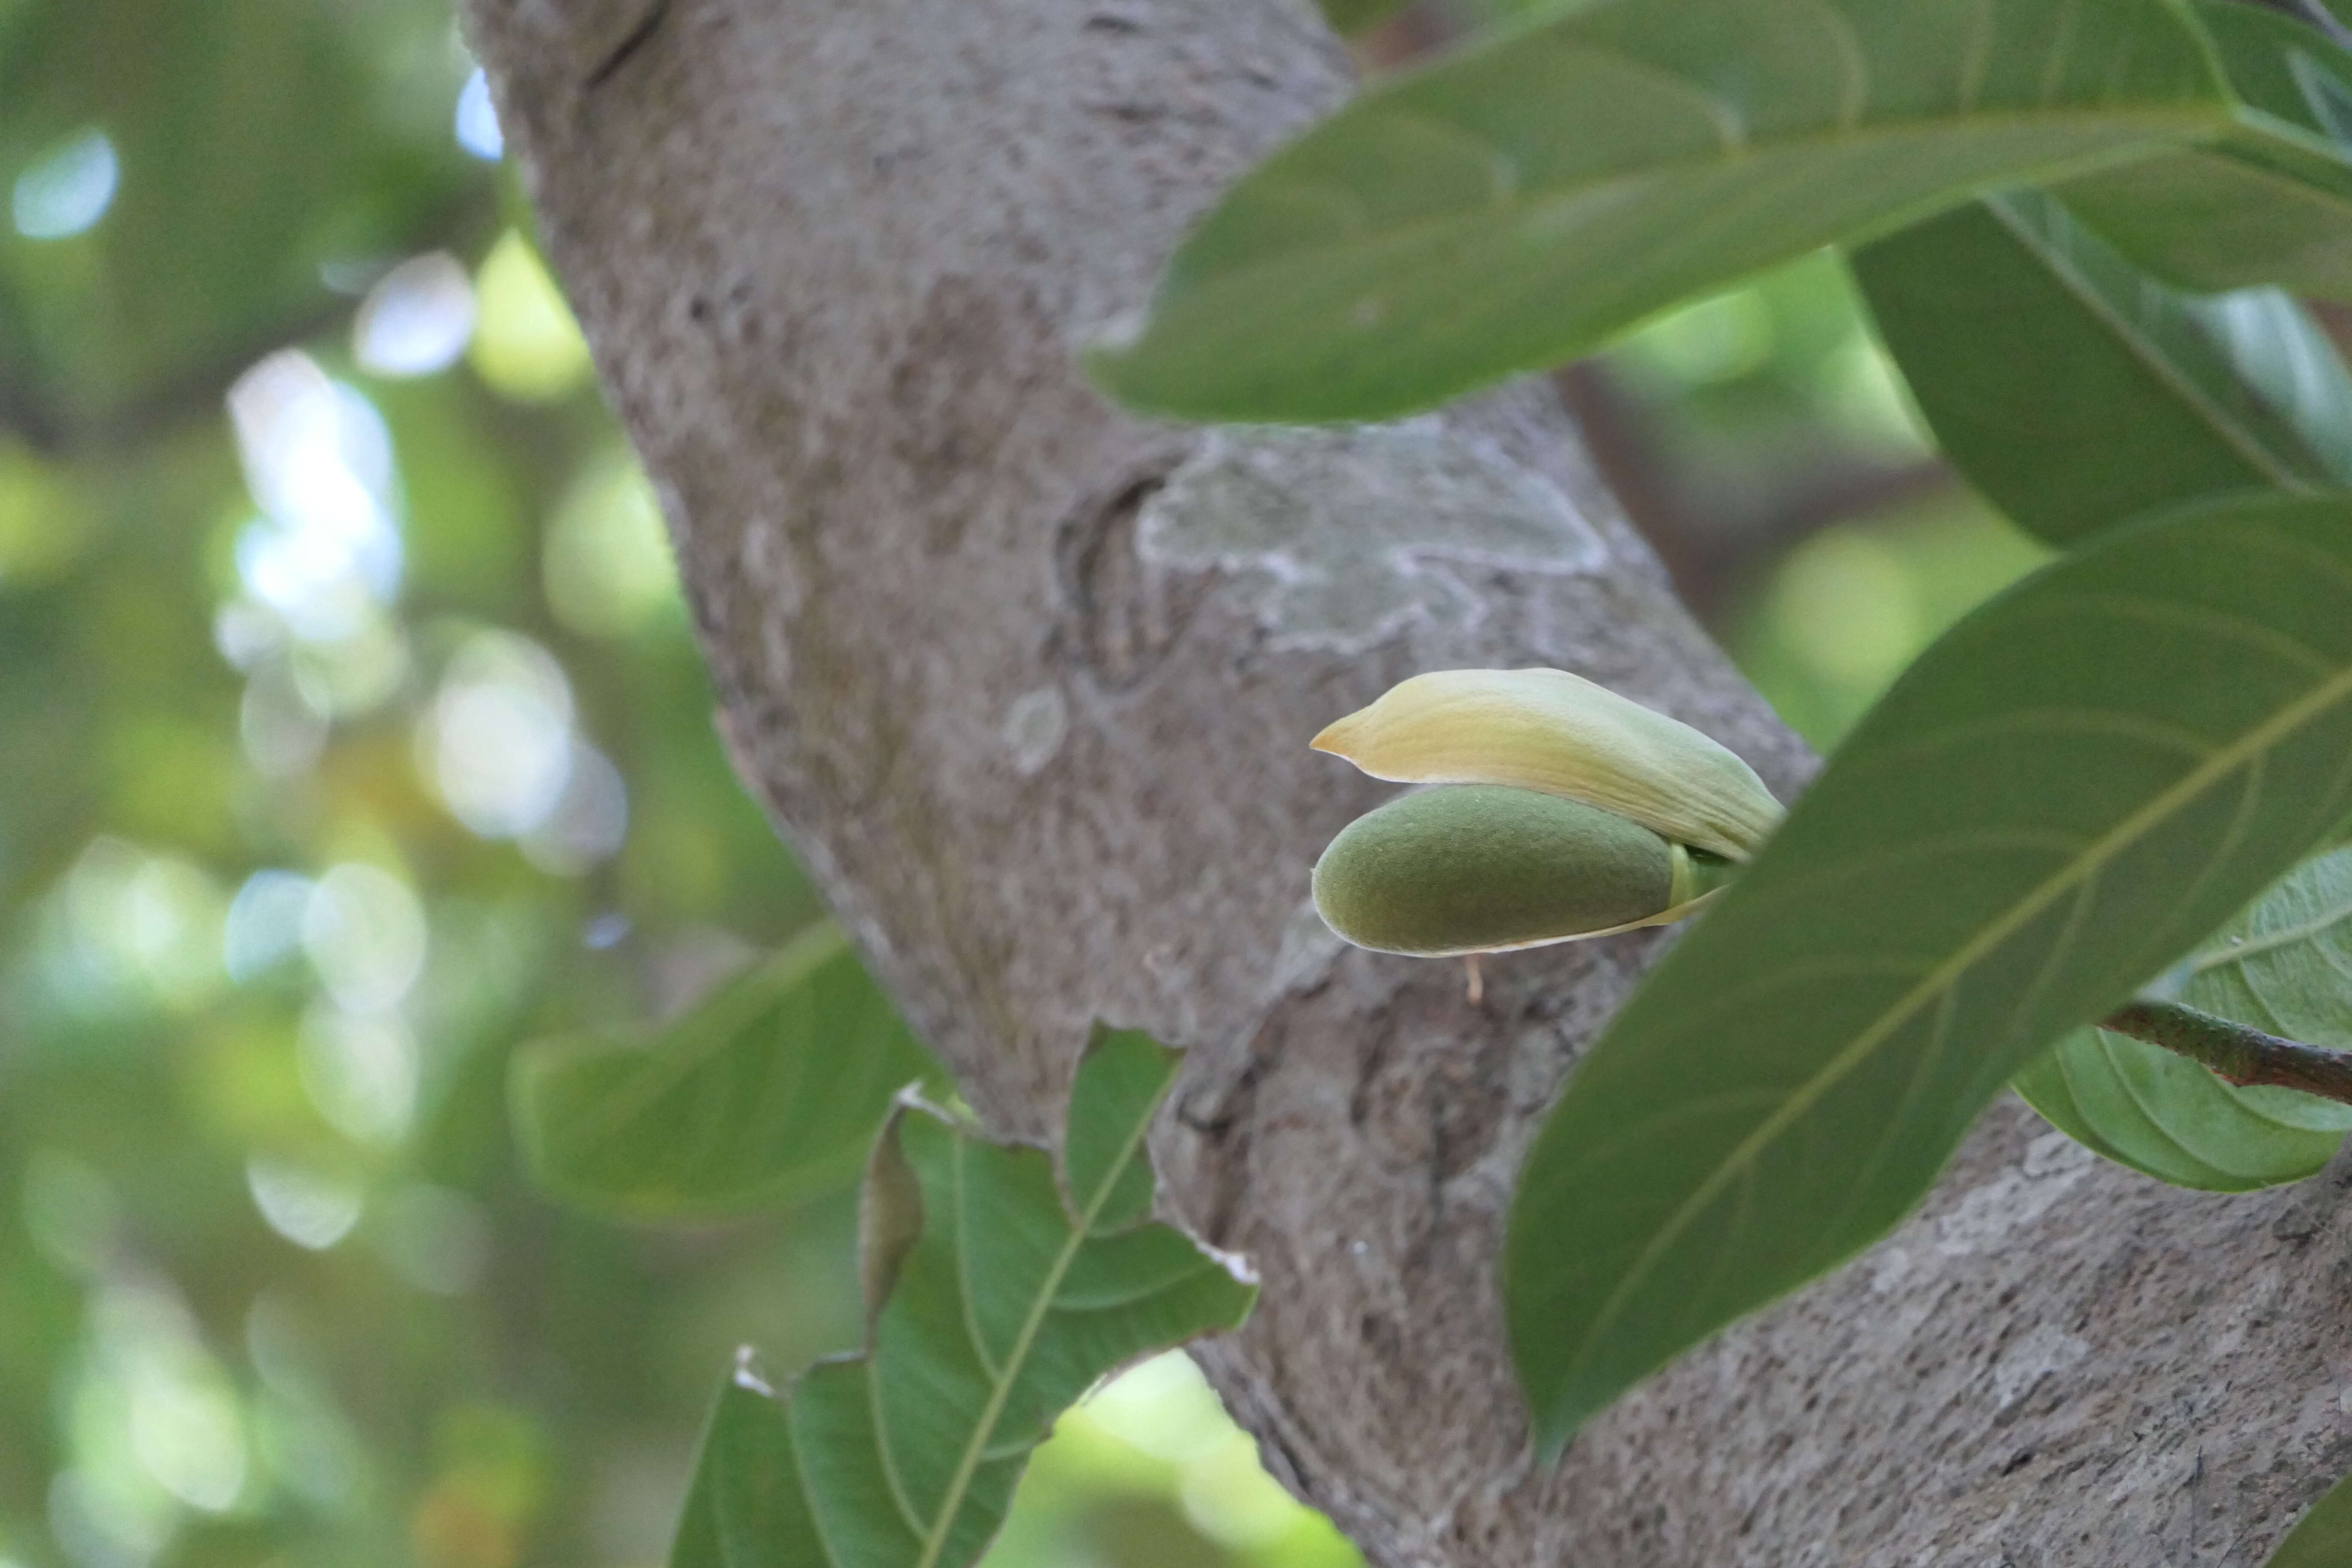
2072	789
2072	389
1520	202
995	1305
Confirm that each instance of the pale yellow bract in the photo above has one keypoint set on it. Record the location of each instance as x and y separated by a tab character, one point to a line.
1550	731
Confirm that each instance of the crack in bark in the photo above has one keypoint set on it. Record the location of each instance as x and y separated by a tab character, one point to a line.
631	42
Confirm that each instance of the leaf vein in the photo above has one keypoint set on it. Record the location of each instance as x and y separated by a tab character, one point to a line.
2194	618
968	1301
2135	333
1001	1389
2258	739
885	1455
1729	129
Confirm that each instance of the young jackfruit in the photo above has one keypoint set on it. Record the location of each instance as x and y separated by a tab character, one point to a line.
1482	868
1564	811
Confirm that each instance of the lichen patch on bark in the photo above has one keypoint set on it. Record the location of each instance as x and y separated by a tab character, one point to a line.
1350	535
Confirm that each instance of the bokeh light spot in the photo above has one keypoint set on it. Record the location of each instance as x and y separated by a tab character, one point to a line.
478	119
365	934
265	922
67	188
109	1516
282	723
318	459
1844	603
361	1073
1866	397
1716	340
417	319
526	344
151	1393
590	820
608	567
1164	1408
43	524
496	742
307	1208
130	928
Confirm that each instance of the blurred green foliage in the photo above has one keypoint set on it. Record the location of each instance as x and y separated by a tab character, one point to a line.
1755	401
351	735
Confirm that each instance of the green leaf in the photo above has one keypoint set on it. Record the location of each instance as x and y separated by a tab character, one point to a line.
2284	965
2070	790
1517	204
2072	389
1128	1071
2270	202
2324	1538
764	1094
1005	1305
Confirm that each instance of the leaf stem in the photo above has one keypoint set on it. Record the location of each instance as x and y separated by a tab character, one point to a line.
2236	1051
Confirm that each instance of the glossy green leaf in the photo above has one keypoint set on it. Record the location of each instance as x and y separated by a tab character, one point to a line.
768	1091
999	1309
2323	1537
2270	202
2075	786
2072	389
2284	965
1518	203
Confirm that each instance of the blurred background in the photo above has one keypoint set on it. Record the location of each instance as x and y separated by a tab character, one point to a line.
352	734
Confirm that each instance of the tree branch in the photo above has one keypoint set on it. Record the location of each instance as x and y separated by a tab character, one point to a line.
2238	1052
1028	684
1716	546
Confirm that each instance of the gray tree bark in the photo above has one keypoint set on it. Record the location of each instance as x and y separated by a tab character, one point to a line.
1028	683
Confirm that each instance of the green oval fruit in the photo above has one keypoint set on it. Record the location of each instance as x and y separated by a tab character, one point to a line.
1477	868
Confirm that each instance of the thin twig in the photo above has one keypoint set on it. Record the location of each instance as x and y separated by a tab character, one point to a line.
2242	1055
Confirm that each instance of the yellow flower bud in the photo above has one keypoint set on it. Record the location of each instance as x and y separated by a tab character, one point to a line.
1550	731
1483	867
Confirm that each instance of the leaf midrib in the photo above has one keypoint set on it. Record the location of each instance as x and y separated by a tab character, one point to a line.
2141	346
1001	1389
2203	125
665	1070
2224	761
2269	942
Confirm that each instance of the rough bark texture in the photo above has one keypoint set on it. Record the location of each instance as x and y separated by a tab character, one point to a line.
1028	683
